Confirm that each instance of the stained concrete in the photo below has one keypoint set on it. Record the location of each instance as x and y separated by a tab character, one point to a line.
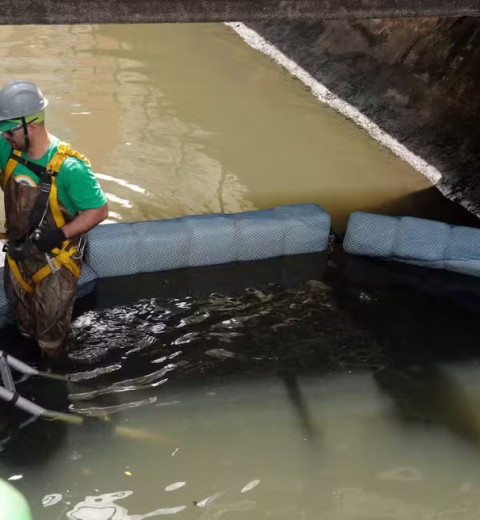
18	12
417	79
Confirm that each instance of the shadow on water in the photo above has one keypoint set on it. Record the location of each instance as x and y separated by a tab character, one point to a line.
417	314
138	339
430	204
425	321
426	396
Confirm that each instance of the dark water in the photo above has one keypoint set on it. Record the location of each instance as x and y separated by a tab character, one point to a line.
306	387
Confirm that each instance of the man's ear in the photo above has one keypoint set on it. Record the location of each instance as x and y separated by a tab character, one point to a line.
33	126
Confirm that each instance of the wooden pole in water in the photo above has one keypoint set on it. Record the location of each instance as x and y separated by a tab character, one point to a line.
52	12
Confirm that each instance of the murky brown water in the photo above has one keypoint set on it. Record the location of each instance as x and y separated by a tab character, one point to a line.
270	403
181	119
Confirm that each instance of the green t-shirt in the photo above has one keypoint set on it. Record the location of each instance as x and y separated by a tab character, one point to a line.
77	187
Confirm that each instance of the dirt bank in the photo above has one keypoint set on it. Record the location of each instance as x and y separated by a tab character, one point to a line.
416	80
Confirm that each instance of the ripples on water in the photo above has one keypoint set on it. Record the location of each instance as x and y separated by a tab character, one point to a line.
270	329
327	394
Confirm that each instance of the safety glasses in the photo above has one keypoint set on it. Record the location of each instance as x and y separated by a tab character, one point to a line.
15	128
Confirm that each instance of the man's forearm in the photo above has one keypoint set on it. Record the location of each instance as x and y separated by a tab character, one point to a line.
85	221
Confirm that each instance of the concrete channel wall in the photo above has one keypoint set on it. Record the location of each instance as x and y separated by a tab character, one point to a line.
417	79
49	12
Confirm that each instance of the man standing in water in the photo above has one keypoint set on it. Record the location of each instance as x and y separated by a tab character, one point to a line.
52	198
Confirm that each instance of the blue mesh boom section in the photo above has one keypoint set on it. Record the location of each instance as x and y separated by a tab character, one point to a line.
201	240
422	242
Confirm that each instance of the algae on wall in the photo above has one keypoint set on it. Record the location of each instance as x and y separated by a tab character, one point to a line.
417	79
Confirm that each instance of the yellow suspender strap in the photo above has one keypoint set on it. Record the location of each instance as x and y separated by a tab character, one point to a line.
54	206
11	164
64	150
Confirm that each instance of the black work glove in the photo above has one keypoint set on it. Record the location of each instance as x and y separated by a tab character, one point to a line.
49	239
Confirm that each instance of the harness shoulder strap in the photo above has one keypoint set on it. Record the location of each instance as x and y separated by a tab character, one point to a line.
10	166
63	152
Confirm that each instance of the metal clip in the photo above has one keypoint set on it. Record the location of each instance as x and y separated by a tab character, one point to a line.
81	246
50	262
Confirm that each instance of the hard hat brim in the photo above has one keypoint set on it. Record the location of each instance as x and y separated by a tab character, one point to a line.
7	125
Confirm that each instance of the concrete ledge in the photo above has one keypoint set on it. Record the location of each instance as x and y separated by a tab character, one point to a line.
54	12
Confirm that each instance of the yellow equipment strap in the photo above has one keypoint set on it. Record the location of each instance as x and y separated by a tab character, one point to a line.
54	206
15	270
62	257
63	152
11	164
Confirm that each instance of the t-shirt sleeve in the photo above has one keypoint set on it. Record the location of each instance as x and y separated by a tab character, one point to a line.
5	150
81	184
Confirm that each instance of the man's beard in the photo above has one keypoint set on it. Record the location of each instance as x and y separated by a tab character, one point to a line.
16	146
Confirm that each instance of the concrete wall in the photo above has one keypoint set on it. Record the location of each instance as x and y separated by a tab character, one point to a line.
49	12
419	80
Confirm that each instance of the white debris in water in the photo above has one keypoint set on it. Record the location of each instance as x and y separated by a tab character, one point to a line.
324	95
250	485
51	500
15	477
175	452
176	485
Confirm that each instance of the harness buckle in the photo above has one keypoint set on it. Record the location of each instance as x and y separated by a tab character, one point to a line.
44	186
50	262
